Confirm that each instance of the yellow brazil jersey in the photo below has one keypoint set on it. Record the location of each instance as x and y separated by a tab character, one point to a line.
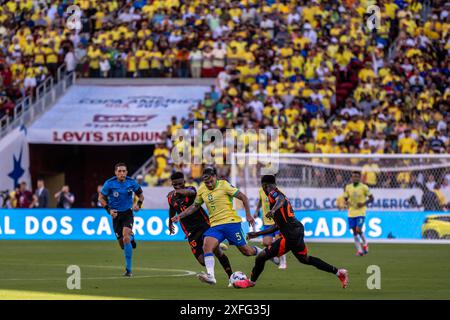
265	206
219	202
356	194
39	55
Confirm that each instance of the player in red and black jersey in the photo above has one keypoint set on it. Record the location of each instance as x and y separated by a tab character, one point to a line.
292	232
194	225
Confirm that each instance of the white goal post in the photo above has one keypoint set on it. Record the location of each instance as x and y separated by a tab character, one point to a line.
314	182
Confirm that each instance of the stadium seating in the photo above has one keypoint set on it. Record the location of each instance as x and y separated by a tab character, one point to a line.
312	68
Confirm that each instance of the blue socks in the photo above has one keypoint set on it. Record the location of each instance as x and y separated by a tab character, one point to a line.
128	251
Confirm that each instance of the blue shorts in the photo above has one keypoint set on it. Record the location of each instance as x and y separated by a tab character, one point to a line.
229	231
273	234
356	222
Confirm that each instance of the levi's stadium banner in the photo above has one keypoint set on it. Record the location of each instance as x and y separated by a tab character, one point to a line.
152	225
111	115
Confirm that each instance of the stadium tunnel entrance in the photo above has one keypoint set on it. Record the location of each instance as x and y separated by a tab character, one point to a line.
82	167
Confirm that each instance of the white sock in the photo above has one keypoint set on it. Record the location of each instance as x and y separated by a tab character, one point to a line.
283	259
357	244
209	264
363	239
258	250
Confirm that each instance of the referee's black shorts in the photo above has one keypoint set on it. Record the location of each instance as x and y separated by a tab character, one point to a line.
124	219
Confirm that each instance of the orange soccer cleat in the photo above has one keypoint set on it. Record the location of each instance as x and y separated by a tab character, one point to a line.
243	284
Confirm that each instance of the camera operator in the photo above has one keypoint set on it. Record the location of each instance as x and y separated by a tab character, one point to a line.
64	198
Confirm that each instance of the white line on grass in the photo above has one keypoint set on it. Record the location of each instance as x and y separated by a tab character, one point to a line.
184	273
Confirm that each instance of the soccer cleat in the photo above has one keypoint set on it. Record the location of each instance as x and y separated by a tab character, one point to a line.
244	284
223	246
207	278
127	274
276	260
366	249
283	264
359	253
343	277
230	285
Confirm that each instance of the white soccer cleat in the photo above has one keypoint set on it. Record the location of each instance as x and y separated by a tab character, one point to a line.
276	260
207	278
283	264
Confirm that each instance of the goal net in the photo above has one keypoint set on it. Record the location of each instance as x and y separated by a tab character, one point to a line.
399	183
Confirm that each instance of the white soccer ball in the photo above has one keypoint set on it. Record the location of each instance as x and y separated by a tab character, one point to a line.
236	276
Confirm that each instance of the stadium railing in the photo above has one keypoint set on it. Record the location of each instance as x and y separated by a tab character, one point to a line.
27	110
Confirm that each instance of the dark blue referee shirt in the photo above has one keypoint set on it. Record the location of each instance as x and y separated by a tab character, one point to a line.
120	194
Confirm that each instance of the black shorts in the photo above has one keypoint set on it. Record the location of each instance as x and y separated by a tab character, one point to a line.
124	219
196	241
282	246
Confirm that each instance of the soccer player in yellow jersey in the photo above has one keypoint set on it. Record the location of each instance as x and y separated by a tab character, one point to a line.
263	203
224	220
357	196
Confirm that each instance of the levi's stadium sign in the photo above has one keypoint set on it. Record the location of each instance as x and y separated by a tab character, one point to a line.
111	115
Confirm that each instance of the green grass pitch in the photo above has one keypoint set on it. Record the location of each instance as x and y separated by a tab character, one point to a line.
165	270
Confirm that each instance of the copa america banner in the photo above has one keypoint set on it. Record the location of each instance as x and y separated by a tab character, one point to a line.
14	160
152	225
311	198
111	115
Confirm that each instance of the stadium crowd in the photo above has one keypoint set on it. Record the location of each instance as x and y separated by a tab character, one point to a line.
312	68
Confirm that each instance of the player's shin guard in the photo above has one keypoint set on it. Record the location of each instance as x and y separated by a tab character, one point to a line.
318	263
128	252
209	263
225	262
257	249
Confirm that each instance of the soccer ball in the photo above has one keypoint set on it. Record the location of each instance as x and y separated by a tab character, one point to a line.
236	276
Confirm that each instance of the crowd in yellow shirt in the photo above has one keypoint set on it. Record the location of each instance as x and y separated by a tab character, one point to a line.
393	106
314	70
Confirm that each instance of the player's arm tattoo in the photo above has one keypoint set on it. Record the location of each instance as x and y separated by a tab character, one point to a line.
244	200
186	192
279	202
190	210
272	229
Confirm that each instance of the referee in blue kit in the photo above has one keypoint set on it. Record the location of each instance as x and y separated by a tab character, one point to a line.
116	197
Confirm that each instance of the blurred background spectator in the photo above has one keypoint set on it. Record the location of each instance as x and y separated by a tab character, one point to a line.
64	198
41	195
